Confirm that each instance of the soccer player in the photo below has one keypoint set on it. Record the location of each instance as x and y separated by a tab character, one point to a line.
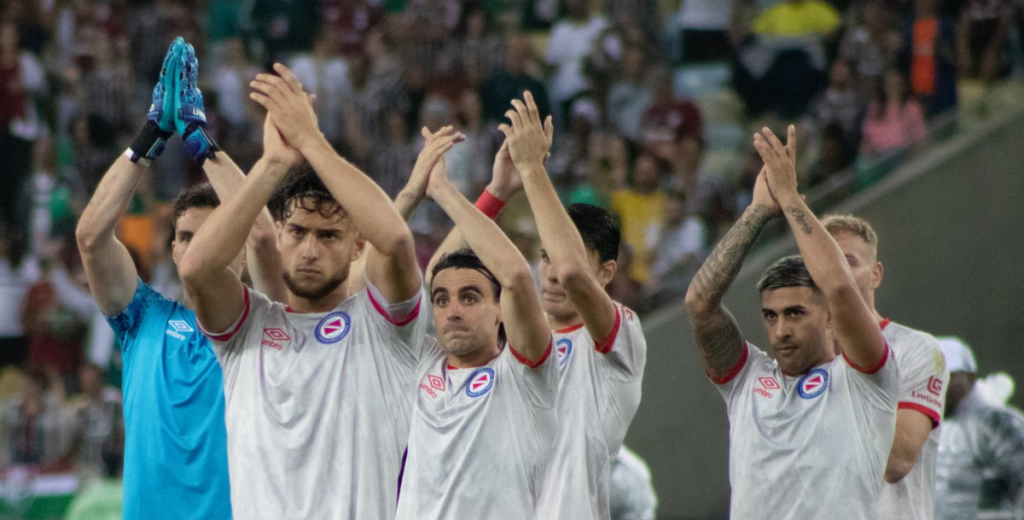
910	471
318	392
981	455
484	418
175	463
809	432
600	346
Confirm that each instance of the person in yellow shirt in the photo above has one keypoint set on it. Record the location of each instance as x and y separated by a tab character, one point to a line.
640	206
796	18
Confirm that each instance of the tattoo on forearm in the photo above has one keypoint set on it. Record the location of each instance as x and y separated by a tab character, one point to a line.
799	215
718	336
720	269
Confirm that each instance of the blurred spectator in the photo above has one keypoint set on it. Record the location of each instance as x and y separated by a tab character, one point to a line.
510	81
782	68
351	20
871	47
425	36
980	467
708	197
99	422
231	82
632	495
390	162
572	162
95	145
55	326
482	48
470	163
22	78
571	41
376	78
929	56
34	423
984	38
151	29
744	183
106	89
669	118
16	275
282	28
640	207
324	73
677	247
841	105
894	119
834	155
630	96
705	30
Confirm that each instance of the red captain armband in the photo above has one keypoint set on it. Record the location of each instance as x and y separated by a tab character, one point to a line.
489	205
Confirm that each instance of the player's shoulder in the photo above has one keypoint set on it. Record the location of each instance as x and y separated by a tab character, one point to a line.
903	338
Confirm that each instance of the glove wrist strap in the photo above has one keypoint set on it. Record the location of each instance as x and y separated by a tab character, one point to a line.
149	143
199	144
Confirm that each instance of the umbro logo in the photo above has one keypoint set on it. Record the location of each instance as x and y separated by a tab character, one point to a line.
436	384
273	337
177	327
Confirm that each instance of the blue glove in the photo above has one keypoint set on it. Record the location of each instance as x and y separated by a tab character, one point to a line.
189	113
149	144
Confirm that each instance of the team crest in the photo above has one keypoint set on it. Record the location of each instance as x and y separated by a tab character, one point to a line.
480	382
563	348
180	326
333	327
813	384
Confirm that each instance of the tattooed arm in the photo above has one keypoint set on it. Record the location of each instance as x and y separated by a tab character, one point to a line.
718	336
853	322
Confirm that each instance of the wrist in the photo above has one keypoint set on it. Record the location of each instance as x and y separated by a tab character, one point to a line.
789	198
311	143
500	192
533	168
489	204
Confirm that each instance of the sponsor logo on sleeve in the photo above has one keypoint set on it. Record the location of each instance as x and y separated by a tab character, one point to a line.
563	348
480	382
813	384
274	338
934	393
333	327
935	385
177	327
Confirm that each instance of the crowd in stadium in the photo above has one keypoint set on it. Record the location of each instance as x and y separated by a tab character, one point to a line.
862	79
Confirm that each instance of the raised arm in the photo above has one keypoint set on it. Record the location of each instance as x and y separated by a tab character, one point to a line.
391	263
719	339
853	322
525	323
262	257
562	242
108	266
205	268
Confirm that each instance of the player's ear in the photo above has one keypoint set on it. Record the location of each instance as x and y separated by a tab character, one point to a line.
876	275
359	248
606	271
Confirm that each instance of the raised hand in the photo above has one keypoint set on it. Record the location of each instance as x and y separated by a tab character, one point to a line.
779	162
161	111
763	196
283	97
505	179
435	146
275	149
527	137
189	110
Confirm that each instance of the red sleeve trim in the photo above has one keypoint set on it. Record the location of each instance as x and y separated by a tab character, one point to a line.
931	414
736	369
398	323
226	336
874	369
884	323
532	364
605	346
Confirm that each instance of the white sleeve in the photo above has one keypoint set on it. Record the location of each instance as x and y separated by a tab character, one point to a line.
537	380
625	349
403	321
923	377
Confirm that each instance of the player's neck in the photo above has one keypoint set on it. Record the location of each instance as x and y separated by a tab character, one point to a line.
302	305
478	358
567	321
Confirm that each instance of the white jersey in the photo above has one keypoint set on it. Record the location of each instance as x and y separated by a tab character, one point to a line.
923	381
598	396
809	446
318	405
480	439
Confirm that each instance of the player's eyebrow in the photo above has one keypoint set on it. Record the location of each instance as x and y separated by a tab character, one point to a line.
470	289
437	291
185	235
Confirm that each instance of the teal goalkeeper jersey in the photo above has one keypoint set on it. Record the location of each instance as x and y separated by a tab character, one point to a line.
175	461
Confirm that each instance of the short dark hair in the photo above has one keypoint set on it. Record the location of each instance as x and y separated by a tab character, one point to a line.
303	188
598	228
198	196
786	272
466	259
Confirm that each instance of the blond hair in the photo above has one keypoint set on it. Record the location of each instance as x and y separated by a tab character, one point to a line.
851	224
